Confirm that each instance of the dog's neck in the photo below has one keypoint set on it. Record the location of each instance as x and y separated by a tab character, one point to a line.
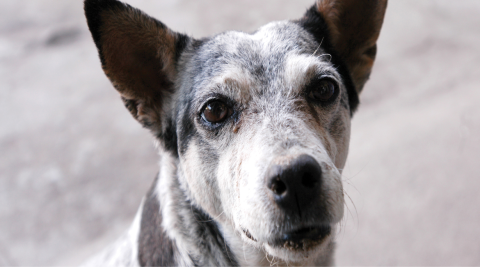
175	232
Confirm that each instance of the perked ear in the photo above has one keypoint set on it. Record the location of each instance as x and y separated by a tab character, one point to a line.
138	55
354	26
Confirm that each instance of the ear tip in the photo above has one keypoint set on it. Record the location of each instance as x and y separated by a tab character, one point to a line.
99	2
95	4
94	7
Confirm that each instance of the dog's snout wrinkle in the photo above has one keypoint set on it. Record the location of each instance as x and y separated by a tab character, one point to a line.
298	206
296	184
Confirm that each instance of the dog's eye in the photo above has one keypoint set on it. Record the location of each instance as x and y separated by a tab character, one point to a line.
216	111
322	90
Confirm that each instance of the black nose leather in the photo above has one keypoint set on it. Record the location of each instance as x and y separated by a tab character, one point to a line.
296	185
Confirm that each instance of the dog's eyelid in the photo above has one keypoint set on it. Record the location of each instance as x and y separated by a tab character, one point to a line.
328	69
326	75
321	77
203	101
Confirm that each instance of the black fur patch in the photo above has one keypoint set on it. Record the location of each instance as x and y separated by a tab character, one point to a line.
181	43
197	43
208	231
169	137
314	23
154	247
188	129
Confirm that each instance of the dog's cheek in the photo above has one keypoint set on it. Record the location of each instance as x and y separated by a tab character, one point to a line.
199	163
227	180
254	210
332	129
231	178
340	134
332	191
335	136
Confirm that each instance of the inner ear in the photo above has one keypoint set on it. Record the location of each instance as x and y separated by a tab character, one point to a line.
139	55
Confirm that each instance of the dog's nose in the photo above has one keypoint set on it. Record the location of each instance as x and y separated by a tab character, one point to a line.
296	185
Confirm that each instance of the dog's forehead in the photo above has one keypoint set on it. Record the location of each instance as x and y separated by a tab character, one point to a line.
268	42
279	52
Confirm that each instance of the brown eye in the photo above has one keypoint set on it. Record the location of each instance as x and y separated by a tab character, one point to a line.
322	90
216	111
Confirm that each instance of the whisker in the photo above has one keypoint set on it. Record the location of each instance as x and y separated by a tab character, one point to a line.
316	50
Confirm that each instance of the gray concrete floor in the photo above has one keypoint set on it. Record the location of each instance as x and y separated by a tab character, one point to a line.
74	164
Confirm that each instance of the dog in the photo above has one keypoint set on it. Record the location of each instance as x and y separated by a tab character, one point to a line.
252	128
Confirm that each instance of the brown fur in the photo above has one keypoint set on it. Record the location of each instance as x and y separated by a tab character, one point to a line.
144	72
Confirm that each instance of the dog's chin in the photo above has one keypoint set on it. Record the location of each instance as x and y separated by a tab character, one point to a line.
295	246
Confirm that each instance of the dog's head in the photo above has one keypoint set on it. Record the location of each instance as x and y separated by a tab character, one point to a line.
260	122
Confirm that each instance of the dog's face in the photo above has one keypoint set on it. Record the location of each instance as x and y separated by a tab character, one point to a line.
260	122
269	105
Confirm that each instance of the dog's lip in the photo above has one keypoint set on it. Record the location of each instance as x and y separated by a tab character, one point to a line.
312	233
300	238
303	238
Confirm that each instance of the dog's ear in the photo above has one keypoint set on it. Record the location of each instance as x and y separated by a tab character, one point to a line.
353	28
138	55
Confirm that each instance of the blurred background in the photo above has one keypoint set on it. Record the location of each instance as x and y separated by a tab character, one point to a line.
74	165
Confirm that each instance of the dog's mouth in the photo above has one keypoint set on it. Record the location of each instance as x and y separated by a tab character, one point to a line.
303	238
300	239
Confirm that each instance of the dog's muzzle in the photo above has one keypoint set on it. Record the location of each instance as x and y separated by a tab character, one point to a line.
296	185
295	188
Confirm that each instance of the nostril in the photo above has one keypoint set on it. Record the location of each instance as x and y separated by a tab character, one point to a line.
278	186
309	180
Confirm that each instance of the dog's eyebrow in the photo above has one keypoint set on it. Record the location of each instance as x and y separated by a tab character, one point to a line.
234	83
301	69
